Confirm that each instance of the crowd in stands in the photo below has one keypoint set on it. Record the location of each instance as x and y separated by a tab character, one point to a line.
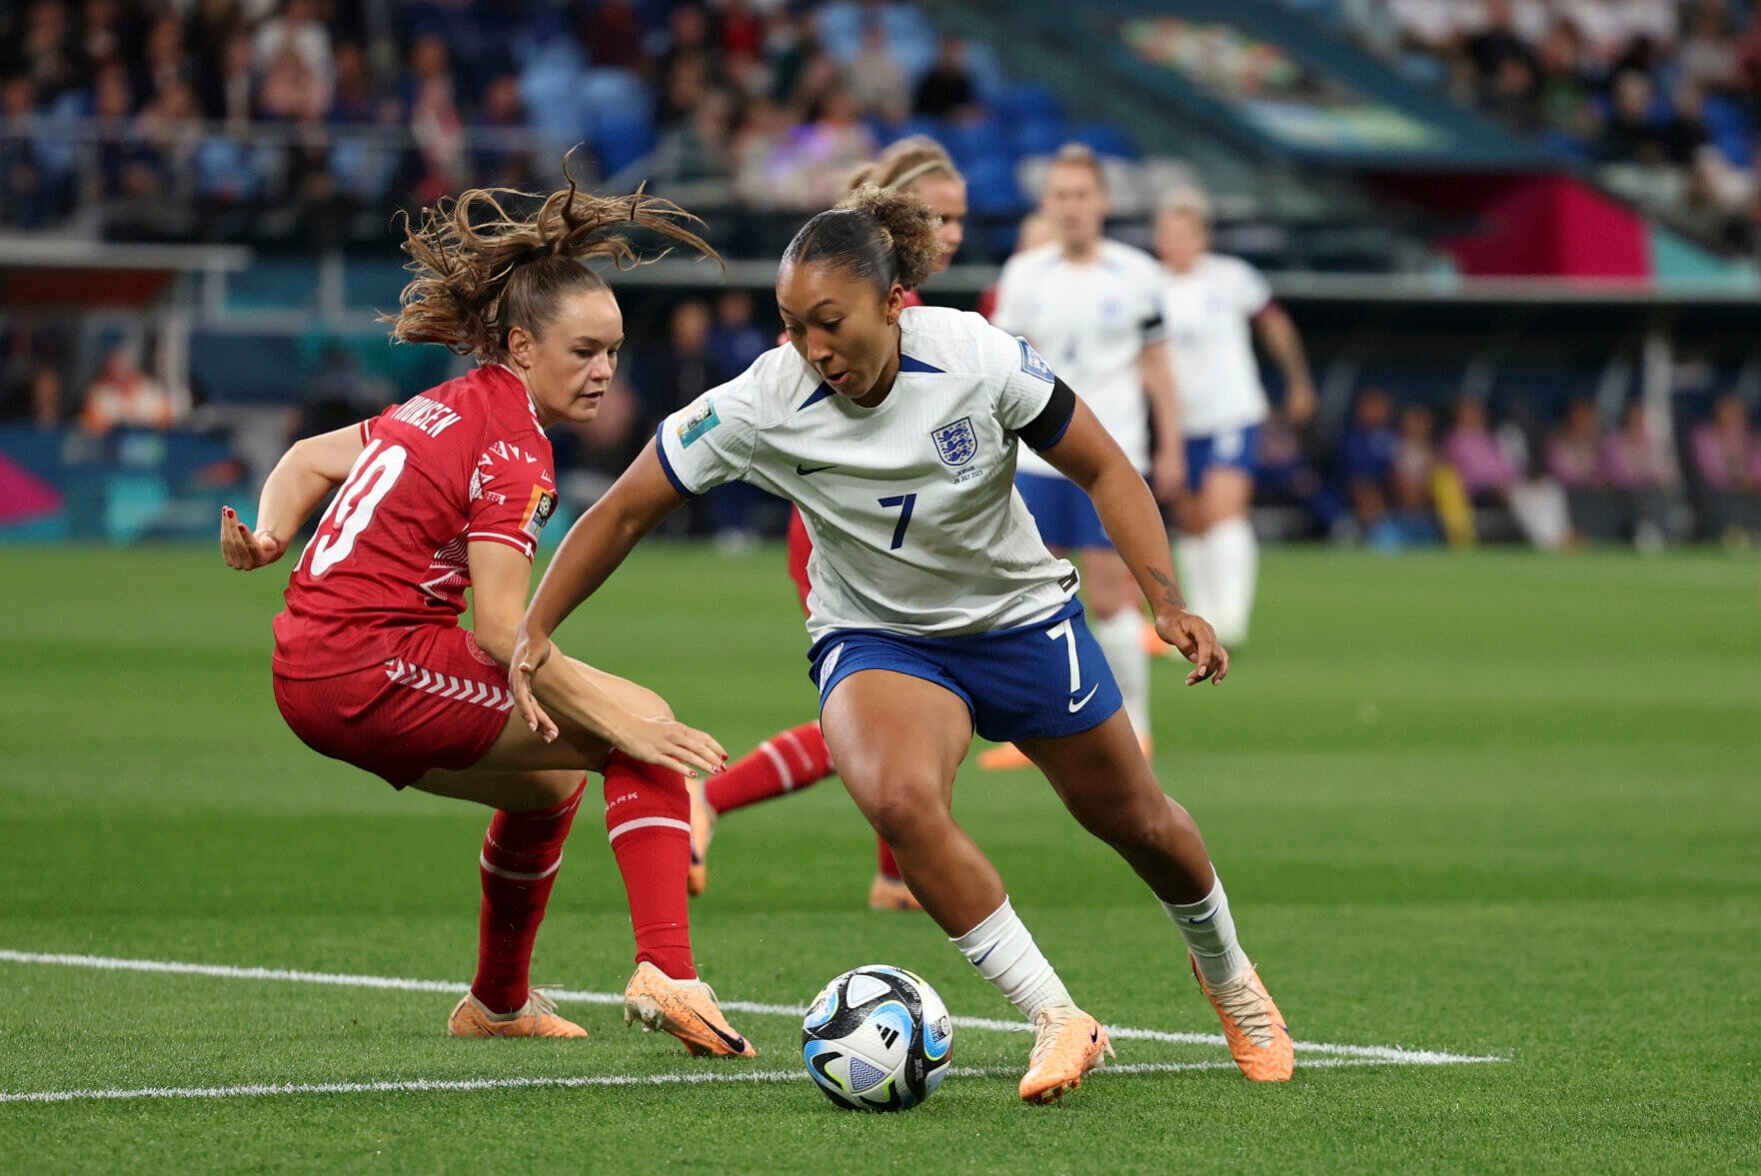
1665	94
1398	476
317	102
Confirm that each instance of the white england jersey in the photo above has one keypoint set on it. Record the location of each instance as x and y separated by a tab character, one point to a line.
1091	322
1207	312
911	504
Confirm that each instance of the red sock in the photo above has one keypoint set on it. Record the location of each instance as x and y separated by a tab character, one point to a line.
786	761
648	819
521	855
883	860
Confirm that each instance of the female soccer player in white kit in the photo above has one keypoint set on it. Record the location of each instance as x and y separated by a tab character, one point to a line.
1092	307
1208	300
936	609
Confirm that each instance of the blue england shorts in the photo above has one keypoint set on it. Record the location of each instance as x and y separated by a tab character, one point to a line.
1065	515
1037	681
1232	449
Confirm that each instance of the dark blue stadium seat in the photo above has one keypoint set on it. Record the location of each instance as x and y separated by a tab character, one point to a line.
991	190
1038	135
1029	100
237	368
1105	139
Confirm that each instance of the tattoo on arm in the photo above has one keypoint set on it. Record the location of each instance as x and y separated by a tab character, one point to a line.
1170	590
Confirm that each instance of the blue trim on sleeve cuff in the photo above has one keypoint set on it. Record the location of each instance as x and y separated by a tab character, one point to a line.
666	466
1059	435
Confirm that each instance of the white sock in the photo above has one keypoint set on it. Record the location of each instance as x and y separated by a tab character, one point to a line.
1235	570
1192	559
1120	637
1209	931
1003	951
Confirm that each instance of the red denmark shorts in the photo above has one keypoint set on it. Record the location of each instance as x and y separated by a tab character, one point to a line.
437	701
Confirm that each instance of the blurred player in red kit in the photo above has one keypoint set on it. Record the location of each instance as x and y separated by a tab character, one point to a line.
791	760
449	491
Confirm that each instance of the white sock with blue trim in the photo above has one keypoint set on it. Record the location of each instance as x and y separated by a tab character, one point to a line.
1209	931
1120	637
1234	555
1003	951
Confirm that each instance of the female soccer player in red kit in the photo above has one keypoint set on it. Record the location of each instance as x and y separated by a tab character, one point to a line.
448	491
791	760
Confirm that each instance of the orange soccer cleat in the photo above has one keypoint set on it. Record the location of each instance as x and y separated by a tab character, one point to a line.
891	894
684	1008
1069	1044
1002	758
536	1018
702	830
1253	1026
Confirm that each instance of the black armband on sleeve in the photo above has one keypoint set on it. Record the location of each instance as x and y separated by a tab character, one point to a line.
1047	429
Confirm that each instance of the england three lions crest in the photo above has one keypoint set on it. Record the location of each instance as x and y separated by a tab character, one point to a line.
956	443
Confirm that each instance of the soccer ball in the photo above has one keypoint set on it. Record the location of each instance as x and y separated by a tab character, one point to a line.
878	1038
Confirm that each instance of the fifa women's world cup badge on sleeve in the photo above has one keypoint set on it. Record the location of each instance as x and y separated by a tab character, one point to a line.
539	508
700	420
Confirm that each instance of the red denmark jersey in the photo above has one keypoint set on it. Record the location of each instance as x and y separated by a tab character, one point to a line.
462	463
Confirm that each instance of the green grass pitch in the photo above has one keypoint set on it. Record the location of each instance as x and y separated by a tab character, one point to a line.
1492	804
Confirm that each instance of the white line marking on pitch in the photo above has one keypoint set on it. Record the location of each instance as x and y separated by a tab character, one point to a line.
1376	1053
693	1078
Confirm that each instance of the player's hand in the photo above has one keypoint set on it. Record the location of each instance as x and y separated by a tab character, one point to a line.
1168	475
245	550
1192	635
672	744
531	651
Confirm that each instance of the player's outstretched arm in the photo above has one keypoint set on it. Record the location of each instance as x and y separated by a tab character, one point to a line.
590	553
1088	456
297	486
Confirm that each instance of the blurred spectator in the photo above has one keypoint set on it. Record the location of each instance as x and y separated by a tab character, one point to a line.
681	371
1685	133
1725	456
1283	475
611	32
291	91
830	147
1497	45
500	160
123	396
1415	460
1708	55
877	80
297	30
742	33
1366	457
700	149
1637	457
1574	451
1629	135
1486	474
46	402
947	89
352	98
736	340
229	91
1490	477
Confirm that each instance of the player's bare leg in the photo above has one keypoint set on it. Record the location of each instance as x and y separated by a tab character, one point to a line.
898	741
1106	784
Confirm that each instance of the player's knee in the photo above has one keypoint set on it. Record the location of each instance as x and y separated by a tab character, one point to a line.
906	809
1141	825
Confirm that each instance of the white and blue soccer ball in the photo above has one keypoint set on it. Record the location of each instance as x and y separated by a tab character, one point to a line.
878	1038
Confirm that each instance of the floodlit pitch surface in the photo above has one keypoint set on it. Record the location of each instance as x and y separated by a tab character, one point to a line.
1491	825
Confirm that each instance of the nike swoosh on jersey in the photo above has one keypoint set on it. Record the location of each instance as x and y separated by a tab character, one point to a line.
805	470
1076	706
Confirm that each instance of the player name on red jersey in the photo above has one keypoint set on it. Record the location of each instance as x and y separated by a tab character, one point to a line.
430	416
